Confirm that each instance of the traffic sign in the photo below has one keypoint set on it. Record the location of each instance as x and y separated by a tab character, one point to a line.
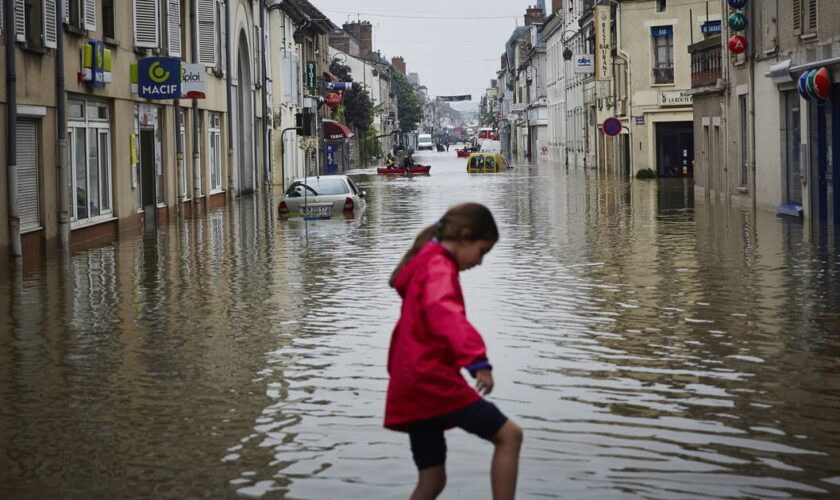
612	126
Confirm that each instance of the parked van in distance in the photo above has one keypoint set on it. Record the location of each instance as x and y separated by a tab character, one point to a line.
424	141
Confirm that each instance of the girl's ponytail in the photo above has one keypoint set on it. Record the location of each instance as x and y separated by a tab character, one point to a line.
474	217
424	237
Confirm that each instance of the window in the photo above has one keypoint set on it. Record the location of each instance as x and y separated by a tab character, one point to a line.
214	152
663	54
89	138
35	23
661	5
805	15
82	13
206	32
146	24
108	19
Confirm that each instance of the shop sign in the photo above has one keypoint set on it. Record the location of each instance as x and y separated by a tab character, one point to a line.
737	4
159	78
341	86
333	99
711	27
96	64
675	98
193	81
584	63
603	44
310	75
737	44
737	21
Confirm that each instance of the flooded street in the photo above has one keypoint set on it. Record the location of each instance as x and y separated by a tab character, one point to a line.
650	346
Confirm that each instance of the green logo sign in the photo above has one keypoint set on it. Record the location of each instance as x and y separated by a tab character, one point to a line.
158	74
310	74
737	21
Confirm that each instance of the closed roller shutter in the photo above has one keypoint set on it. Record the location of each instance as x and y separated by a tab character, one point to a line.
27	166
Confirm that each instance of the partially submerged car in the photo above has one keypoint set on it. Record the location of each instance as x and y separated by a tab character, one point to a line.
322	197
486	162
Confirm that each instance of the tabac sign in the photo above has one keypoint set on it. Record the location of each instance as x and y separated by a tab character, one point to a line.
603	43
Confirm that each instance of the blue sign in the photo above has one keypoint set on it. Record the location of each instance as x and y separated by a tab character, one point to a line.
802	86
711	27
339	85
640	120
159	78
662	31
737	4
330	158
97	64
612	126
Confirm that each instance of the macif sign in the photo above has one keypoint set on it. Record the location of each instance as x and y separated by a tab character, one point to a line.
159	78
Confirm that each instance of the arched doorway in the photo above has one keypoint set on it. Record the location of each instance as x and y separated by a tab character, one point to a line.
245	118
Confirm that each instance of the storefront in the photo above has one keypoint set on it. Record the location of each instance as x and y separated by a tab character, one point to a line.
336	147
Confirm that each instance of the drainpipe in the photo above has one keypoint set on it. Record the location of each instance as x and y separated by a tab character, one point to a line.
752	52
196	125
179	153
265	111
11	131
63	158
231	183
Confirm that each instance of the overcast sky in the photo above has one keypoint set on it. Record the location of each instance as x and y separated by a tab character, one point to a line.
454	45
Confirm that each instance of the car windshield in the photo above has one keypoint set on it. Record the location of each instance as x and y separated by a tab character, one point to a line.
315	187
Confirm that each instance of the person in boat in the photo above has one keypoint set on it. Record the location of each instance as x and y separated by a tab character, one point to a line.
408	162
391	161
433	342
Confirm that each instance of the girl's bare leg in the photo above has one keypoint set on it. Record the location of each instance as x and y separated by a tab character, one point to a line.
505	467
430	483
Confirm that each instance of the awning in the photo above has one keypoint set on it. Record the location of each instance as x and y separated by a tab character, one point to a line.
334	130
330	77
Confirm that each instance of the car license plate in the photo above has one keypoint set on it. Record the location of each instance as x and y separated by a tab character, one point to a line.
322	211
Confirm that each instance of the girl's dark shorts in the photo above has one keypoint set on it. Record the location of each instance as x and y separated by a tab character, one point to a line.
428	446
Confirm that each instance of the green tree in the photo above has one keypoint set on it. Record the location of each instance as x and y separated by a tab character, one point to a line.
408	107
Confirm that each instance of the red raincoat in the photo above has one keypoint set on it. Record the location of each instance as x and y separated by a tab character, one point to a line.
431	342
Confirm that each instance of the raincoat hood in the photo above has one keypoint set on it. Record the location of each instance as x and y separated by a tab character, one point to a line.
419	262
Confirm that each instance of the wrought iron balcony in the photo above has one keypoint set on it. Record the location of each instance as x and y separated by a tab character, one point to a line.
663	75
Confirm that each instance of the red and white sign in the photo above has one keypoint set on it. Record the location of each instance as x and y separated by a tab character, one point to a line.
737	44
333	99
822	83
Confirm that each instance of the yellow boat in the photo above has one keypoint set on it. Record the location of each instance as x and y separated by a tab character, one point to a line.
486	162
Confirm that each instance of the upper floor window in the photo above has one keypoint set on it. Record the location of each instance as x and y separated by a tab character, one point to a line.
34	22
804	17
663	54
81	14
108	30
661	5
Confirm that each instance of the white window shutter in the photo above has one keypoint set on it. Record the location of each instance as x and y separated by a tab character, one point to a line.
173	14
90	15
267	55
66	11
2	23
146	24
20	22
206	31
50	37
295	79
286	78
222	18
258	54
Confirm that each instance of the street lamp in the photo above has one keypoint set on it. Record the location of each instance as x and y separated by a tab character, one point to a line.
528	81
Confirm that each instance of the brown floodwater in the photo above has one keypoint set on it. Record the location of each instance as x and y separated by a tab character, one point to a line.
651	346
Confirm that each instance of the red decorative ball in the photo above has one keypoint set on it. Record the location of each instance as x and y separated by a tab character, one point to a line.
822	83
332	99
737	44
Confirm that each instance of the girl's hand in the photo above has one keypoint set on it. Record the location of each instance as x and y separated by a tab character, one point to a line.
484	381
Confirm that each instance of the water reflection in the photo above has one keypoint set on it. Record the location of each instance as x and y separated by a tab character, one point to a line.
651	346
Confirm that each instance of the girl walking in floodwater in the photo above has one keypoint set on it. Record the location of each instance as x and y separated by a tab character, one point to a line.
433	341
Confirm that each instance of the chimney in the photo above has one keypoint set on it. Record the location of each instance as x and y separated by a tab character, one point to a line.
533	15
556	5
363	32
399	63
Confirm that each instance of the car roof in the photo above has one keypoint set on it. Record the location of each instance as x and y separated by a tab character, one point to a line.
319	177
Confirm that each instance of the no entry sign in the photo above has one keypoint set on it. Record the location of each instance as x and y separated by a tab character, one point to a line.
612	126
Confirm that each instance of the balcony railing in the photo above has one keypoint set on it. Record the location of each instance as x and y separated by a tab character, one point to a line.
663	75
706	66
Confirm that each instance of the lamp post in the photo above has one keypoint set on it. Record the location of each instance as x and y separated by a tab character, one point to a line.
528	81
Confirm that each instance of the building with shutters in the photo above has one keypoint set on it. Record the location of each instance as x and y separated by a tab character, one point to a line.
760	141
129	160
